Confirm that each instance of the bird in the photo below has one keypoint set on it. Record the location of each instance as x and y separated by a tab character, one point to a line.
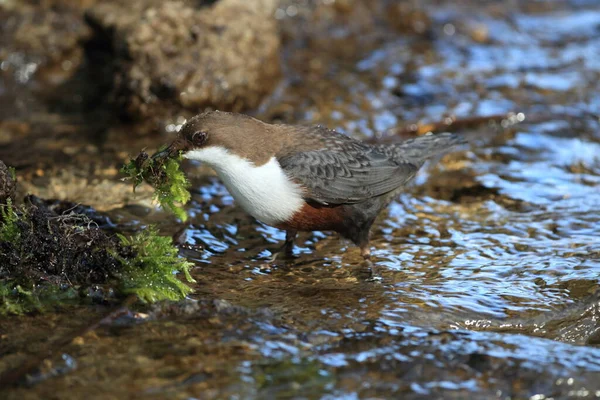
305	178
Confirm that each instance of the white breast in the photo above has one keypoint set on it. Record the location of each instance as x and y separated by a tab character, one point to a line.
264	192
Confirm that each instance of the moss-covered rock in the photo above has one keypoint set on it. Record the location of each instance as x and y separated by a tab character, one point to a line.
49	258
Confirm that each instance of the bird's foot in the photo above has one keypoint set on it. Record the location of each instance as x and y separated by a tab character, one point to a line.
371	271
365	252
368	266
285	253
281	255
376	278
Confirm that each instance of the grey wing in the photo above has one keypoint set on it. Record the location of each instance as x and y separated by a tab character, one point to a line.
351	176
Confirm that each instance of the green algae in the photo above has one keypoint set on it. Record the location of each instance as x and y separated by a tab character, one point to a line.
282	377
17	300
171	187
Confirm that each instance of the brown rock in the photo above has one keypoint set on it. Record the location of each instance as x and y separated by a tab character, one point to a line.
37	35
175	56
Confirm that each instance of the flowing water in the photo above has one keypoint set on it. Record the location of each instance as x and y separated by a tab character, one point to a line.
489	263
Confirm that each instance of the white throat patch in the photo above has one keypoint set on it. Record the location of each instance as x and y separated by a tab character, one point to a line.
264	192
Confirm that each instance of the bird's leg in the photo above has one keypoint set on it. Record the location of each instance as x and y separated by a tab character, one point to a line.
365	251
362	241
288	247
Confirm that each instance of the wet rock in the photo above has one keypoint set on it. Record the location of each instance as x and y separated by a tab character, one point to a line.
408	17
459	365
8	184
42	38
11	129
99	190
174	56
213	308
594	339
456	186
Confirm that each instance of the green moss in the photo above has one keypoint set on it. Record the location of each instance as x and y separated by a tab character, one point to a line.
9	230
133	172
150	274
173	191
169	182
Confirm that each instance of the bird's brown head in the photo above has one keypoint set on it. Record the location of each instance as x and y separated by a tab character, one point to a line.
237	133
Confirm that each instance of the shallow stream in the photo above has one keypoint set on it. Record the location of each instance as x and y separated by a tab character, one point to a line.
490	262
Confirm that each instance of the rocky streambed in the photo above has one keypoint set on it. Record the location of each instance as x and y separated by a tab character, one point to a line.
490	262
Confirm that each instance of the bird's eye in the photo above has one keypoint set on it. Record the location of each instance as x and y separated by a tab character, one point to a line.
199	137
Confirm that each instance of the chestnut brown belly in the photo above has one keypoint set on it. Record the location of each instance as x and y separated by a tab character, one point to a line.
316	218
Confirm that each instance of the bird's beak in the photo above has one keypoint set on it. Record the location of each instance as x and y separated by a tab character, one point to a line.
164	153
170	151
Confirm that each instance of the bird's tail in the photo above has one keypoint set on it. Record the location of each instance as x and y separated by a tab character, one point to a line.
423	148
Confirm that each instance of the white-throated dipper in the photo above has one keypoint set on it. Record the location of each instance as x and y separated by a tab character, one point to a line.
305	178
